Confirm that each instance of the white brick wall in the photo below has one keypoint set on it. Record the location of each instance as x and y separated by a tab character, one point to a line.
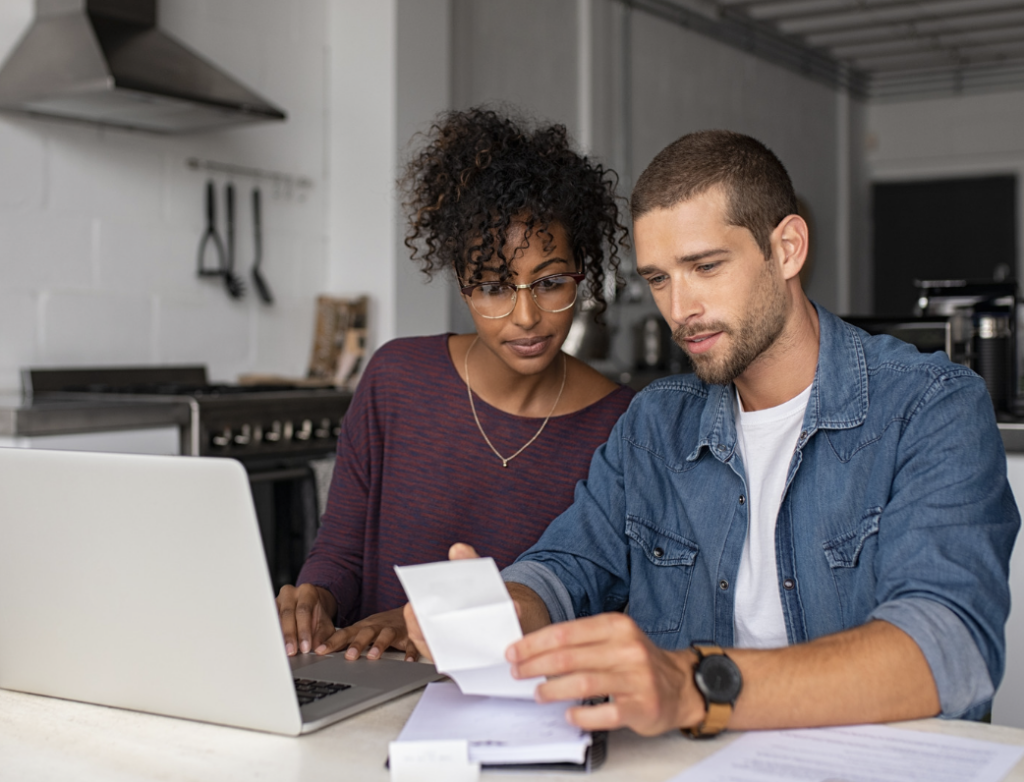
99	227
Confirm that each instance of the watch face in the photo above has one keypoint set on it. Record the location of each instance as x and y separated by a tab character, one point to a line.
718	679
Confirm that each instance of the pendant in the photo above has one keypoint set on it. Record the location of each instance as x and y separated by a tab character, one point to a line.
504	463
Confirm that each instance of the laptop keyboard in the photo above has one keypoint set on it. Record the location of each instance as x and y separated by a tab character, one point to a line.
309	690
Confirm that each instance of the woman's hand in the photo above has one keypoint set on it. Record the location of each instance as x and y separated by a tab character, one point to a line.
377	632
305	612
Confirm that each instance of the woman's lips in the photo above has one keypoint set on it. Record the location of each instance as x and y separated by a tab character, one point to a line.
529	347
701	343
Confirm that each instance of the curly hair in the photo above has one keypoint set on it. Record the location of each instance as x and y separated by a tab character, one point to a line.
480	172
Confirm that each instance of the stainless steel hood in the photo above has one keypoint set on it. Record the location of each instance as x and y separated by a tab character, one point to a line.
105	61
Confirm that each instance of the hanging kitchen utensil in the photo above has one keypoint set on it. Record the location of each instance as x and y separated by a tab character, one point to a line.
262	288
234	283
211	237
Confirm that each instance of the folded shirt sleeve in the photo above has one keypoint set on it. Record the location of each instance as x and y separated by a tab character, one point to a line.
545	583
960	672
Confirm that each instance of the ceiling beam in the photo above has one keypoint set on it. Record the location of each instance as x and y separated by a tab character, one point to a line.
967	56
947	42
885	32
760	40
892	13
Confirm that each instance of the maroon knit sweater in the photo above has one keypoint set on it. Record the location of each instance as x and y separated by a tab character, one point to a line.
413	476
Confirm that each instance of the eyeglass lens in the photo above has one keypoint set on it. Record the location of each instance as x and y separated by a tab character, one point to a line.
552	294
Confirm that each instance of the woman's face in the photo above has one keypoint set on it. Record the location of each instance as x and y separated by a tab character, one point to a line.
528	339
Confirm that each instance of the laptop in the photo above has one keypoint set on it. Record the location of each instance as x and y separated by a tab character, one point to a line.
140	582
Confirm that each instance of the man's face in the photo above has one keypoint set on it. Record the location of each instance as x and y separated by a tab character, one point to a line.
725	302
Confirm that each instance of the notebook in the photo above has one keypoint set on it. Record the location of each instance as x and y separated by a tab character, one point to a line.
140	582
504	732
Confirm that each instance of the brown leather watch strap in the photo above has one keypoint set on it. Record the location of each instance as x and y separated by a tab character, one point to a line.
706	649
714	722
718	714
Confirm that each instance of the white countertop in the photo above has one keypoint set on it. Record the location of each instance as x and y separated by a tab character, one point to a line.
50	739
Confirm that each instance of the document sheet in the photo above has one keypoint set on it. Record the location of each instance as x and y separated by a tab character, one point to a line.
468	620
499	730
860	753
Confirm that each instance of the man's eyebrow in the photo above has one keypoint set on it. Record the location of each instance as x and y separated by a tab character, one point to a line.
693	258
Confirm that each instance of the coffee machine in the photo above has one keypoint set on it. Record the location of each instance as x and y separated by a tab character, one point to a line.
982	318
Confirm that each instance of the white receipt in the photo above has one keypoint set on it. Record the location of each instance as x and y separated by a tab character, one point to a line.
861	753
468	620
432	761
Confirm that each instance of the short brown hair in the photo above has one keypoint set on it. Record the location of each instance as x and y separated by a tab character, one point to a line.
757	185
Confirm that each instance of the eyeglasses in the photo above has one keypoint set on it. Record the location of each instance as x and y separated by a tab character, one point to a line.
554	293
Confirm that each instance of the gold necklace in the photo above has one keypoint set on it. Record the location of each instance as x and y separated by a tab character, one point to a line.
469	392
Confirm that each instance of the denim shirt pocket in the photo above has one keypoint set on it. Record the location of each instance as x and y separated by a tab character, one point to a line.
850	557
661	566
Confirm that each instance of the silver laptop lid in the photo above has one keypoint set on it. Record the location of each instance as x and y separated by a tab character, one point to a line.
140	582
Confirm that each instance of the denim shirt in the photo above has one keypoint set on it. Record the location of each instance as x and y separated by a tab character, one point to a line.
896	508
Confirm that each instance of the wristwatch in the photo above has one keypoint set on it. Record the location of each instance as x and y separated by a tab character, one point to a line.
719	680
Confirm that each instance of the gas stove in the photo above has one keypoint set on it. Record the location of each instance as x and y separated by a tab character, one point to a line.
252	423
278	431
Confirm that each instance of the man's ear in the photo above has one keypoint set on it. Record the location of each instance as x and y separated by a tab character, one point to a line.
790	244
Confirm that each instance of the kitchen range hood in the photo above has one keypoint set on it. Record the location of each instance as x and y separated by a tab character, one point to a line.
105	61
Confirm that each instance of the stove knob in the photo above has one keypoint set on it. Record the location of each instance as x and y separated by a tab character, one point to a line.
336	431
289	429
273	434
244	437
323	431
305	430
222	439
257	434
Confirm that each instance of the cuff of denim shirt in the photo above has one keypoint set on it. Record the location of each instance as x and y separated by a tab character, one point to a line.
547	586
960	673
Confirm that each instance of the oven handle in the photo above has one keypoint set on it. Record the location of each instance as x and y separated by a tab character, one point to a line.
285	474
194	426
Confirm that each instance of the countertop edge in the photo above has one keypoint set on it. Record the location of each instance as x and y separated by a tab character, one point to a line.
70	418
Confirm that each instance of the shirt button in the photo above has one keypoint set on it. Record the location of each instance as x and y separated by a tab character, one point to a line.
742	499
721	447
658	553
789	583
723	584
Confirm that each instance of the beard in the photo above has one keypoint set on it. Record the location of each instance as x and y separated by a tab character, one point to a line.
750	338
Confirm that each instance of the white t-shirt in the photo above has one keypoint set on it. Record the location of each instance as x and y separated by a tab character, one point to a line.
766	439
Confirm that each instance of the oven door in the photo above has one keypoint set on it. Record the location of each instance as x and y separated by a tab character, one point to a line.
289	499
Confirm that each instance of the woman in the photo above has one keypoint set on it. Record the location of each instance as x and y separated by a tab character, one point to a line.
479	437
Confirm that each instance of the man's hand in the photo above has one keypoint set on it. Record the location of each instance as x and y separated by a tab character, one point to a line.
305	614
652	690
378	632
417	643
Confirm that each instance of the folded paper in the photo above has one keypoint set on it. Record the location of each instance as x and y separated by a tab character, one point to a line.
468	620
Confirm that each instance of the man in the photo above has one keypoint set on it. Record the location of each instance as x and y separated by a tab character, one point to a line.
823	514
